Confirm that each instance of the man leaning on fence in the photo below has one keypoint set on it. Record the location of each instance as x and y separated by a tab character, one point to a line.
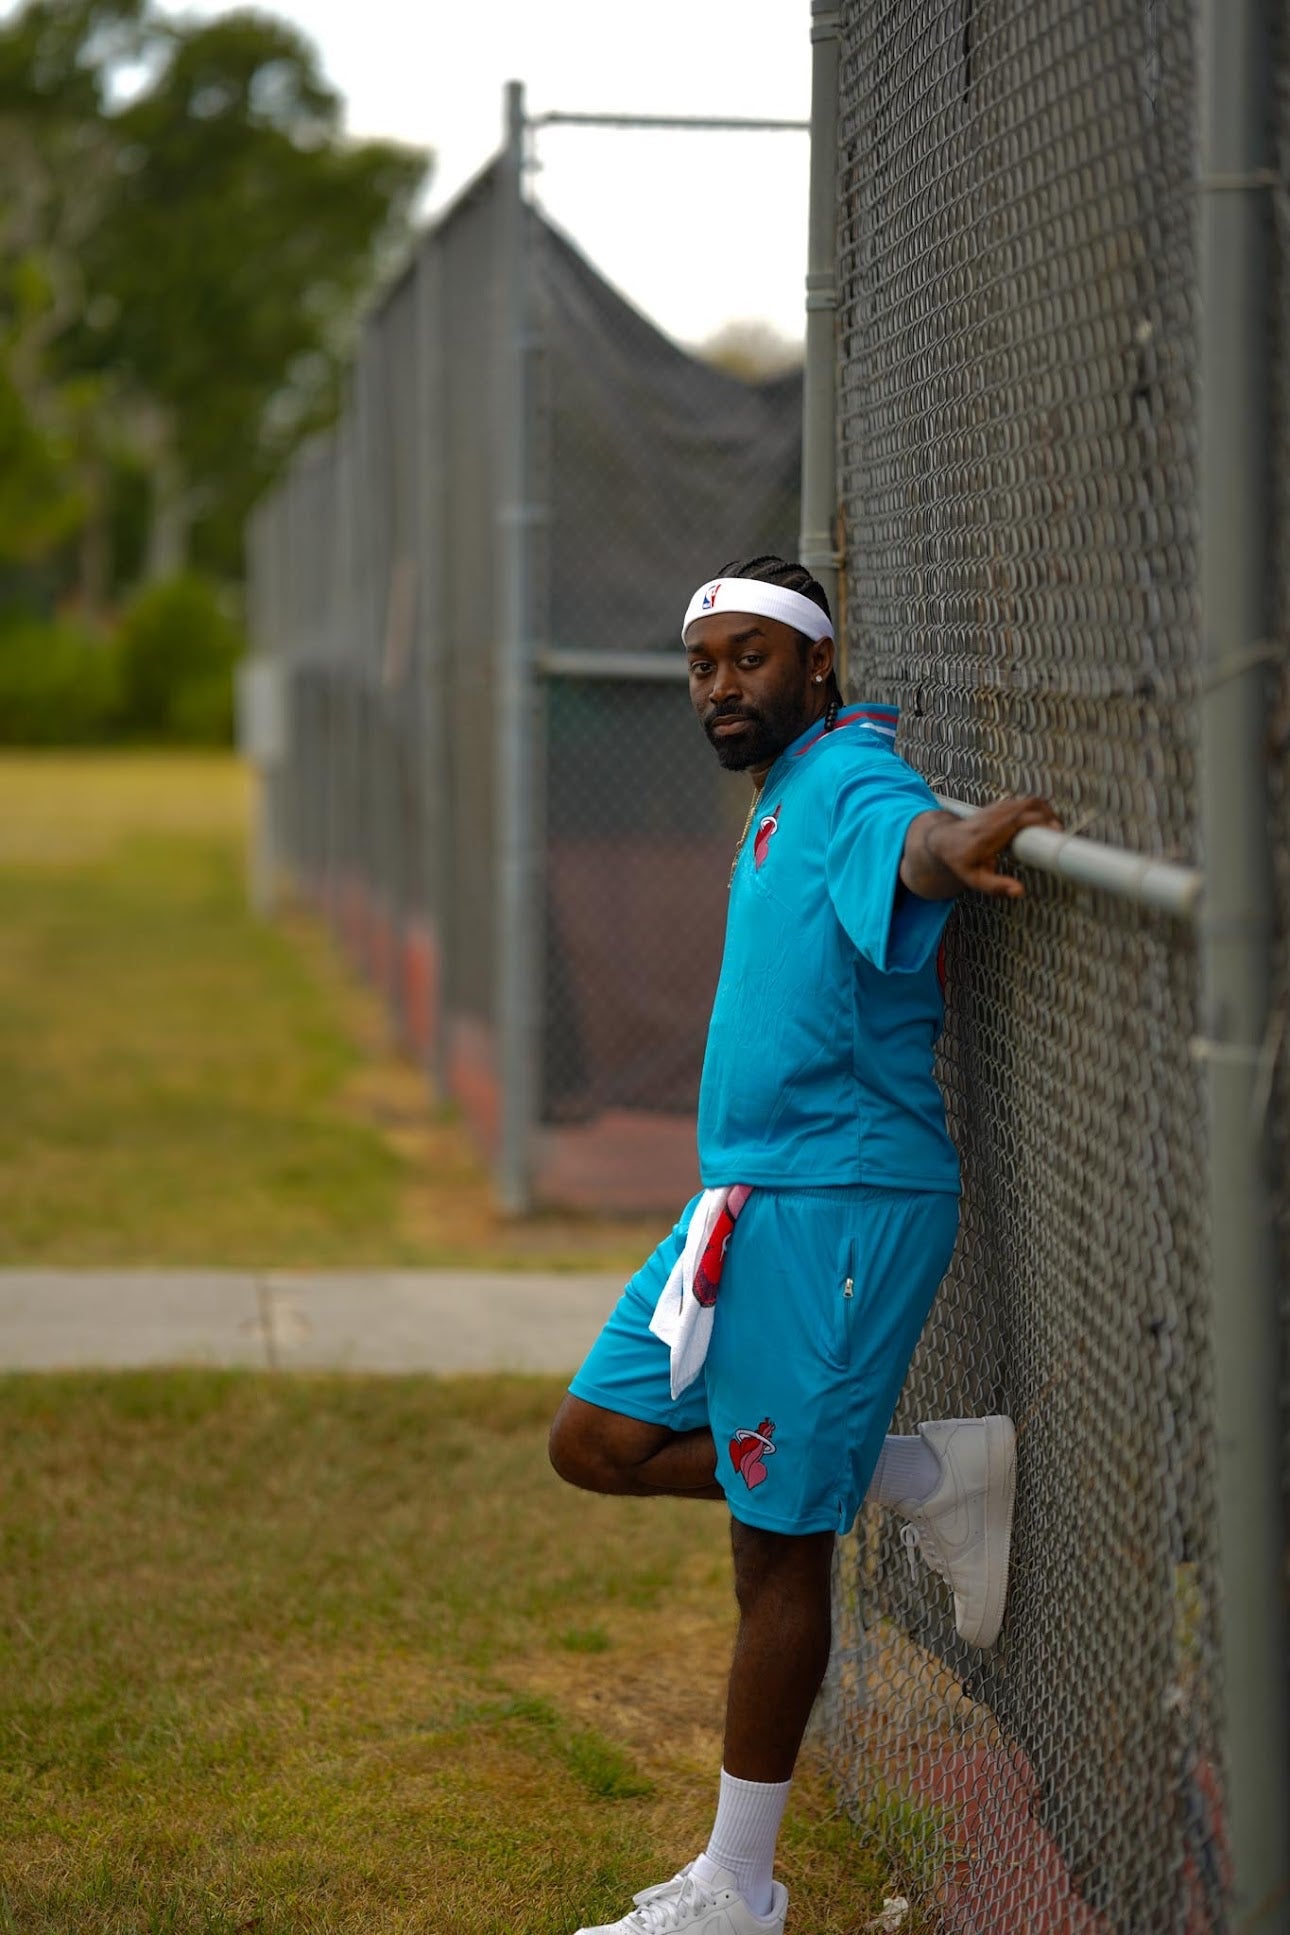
758	1355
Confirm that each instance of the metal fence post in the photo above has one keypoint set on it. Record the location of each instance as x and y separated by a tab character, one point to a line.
432	679
818	544
515	945
1236	923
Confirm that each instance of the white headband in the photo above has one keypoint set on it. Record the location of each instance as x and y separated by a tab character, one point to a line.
761	600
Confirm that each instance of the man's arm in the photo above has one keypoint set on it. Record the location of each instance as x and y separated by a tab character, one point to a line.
944	854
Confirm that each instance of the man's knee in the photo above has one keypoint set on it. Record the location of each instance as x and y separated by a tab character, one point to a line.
602	1451
585	1447
783	1569
571	1447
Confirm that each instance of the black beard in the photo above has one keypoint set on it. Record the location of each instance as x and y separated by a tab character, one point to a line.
770	733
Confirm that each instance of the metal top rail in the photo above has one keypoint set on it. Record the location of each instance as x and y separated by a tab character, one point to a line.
1162	884
717	123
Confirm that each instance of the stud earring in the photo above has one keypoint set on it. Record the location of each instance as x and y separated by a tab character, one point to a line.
819	678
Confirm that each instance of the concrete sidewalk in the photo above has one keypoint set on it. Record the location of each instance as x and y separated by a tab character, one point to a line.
386	1320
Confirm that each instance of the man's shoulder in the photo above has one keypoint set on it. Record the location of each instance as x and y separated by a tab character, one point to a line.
853	746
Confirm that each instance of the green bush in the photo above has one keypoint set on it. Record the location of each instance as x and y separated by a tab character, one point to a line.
178	646
59	684
165	677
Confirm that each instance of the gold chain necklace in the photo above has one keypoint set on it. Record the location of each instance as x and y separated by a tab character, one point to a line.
739	847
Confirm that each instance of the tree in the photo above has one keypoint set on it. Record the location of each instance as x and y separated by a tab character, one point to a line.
179	277
752	350
55	156
238	234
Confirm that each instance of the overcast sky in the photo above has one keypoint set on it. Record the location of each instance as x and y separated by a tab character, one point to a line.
698	229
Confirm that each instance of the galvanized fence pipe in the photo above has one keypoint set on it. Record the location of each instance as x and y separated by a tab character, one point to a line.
657	667
516	965
1236	936
715	124
1137	877
817	546
432	487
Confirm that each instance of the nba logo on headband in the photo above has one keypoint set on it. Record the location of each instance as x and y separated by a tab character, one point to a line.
760	599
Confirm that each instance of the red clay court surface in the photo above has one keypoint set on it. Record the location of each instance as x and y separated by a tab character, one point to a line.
633	1160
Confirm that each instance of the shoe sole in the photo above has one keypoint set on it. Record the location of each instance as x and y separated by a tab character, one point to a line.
1001	1477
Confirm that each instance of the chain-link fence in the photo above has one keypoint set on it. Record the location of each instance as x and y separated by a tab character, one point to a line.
1018	352
452	517
1018	392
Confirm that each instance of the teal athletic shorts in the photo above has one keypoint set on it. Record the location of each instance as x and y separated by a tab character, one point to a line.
823	1298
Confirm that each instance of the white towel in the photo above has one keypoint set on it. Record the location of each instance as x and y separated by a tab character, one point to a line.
680	1319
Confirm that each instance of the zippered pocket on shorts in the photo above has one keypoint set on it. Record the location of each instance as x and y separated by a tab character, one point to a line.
844	1305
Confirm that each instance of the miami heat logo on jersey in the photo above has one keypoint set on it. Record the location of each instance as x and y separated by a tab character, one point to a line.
766	831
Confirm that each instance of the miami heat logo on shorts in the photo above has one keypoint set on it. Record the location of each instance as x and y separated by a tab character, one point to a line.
749	1451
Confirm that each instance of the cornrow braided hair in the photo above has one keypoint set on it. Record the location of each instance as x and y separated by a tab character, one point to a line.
794	577
778	571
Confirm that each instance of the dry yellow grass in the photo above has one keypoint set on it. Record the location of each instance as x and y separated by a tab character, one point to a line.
186	1085
321	1656
72	809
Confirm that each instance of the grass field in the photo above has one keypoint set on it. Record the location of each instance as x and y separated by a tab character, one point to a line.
184	1084
304	1654
321	1656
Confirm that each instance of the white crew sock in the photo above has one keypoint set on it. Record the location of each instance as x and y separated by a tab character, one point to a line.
744	1835
908	1471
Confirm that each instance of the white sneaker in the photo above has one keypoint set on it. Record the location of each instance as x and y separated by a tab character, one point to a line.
964	1530
713	1907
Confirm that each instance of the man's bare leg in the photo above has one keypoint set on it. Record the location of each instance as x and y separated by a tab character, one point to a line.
783	1585
783	1590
